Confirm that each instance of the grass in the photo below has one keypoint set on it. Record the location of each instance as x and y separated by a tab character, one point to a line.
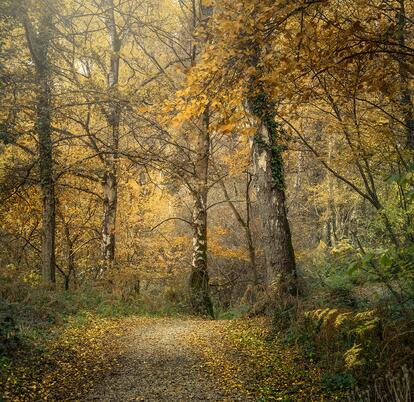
232	313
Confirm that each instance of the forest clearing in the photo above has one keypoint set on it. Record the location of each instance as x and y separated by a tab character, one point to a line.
207	200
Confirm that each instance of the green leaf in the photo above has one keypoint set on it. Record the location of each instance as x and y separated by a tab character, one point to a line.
353	267
385	261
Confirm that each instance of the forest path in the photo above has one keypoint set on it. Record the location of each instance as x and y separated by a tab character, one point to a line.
165	360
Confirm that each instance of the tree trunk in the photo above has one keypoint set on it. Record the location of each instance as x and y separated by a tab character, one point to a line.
70	255
110	199
113	115
331	207
249	236
39	43
404	72
199	279
281	278
47	184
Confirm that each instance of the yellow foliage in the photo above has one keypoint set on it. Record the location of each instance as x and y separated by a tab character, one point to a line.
352	357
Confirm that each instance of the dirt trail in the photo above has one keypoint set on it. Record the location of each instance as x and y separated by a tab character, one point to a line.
163	362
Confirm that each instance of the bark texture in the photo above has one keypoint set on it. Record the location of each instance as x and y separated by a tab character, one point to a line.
113	116
39	44
331	219
199	279
281	278
70	256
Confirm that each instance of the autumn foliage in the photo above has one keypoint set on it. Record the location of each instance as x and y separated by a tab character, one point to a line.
219	158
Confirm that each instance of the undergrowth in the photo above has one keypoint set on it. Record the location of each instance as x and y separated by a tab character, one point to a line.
61	364
55	344
353	325
278	371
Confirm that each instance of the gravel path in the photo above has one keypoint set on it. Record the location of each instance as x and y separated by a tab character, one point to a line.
162	362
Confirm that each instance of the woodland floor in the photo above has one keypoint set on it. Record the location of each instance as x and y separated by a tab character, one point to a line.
162	361
173	359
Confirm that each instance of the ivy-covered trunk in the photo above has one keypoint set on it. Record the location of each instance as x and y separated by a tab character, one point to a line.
199	279
281	278
38	40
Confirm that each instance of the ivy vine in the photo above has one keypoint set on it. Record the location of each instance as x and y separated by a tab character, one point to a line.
262	108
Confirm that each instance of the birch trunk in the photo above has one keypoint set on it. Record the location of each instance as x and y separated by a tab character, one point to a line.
110	198
199	279
110	179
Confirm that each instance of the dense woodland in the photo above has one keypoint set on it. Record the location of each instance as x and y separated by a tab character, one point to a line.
233	158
